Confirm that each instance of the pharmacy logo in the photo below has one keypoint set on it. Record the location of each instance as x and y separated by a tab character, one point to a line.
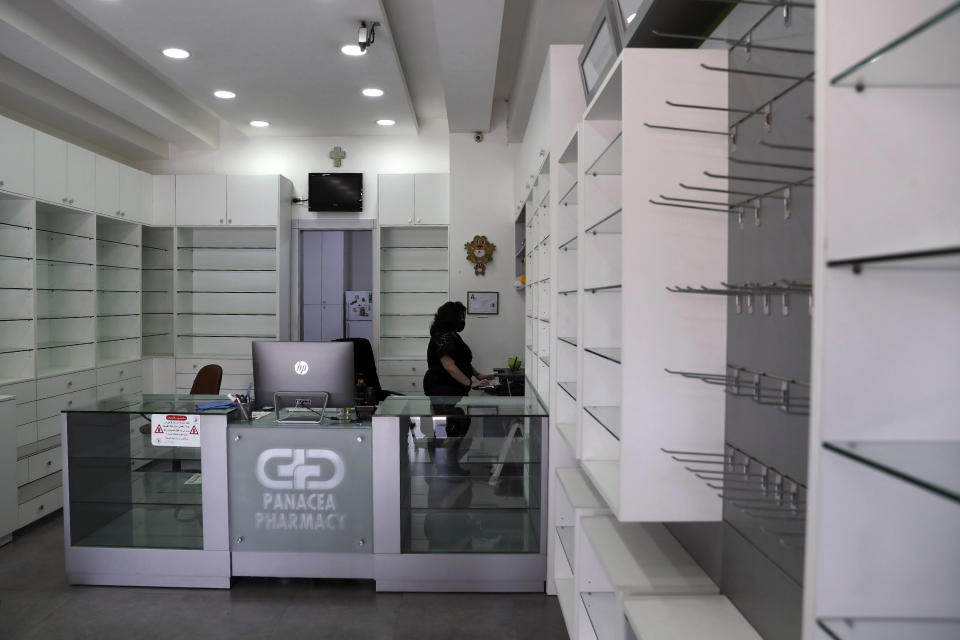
294	473
301	368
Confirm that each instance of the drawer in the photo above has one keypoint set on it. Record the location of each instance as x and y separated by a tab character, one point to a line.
230	381
26	412
40	506
44	463
402	384
23	472
53	406
118	372
230	367
133	385
49	427
401	368
25	391
26	434
59	385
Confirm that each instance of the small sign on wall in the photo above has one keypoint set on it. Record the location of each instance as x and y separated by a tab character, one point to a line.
174	430
483	302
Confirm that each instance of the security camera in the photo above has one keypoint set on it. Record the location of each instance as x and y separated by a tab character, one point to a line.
478	136
365	36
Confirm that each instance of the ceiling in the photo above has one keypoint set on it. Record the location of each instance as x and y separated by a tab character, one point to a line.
94	67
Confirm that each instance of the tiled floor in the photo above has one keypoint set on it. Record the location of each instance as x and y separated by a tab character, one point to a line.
36	602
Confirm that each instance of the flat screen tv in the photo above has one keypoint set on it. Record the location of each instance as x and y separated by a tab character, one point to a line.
335	192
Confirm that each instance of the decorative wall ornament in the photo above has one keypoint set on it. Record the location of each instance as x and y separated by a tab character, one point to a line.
337	154
480	252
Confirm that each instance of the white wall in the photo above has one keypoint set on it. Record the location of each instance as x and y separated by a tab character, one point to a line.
481	194
297	157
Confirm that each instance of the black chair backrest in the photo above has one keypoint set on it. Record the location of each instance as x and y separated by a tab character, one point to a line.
365	363
207	381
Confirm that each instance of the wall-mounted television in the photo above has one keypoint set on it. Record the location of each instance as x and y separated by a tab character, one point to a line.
333	192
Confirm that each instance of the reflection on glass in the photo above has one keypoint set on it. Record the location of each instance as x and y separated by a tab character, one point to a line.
470	483
125	492
891	628
628	10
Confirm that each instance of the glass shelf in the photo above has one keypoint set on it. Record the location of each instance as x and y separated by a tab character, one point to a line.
224	334
570	197
146	246
890	628
544	359
191	248
608	417
487	531
152	484
209	313
119	339
566	543
609	353
15	226
570	341
436	246
944	258
611	224
570	388
567	292
64	233
15	349
116	266
126	244
55	261
15	257
58	345
602	612
569	245
228	270
920	58
143	526
610	161
934	466
63	317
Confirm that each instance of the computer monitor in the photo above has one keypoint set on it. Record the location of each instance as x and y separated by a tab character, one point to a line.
303	366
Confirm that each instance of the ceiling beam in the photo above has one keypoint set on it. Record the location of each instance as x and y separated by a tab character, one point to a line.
45	38
468	34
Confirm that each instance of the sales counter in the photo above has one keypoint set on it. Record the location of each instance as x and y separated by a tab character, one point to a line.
432	494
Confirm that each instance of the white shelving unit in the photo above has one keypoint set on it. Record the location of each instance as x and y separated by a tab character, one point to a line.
119	257
17	290
158	291
884	512
414	282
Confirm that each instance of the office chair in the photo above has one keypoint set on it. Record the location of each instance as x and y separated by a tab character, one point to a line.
365	363
207	380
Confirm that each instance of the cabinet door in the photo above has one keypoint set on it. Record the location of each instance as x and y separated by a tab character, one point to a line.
331	322
252	200
129	193
431	198
50	164
146	197
16	153
331	268
81	177
395	198
164	199
107	195
201	200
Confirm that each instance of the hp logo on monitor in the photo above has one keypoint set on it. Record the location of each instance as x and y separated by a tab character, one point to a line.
301	368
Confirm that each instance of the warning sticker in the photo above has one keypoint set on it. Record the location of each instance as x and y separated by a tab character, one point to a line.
172	430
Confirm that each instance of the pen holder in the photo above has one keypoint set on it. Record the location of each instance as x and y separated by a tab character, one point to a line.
244	408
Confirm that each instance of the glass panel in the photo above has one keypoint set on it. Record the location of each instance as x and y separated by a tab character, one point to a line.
602	50
601	610
891	629
931	465
138	403
608	417
124	492
919	58
628	10
566	542
518	406
470	484
570	388
610	353
610	224
610	161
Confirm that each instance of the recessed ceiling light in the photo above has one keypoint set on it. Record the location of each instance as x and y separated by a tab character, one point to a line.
386	122
631	17
225	95
372	93
259	123
352	50
176	54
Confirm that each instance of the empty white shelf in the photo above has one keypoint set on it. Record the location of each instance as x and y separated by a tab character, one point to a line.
687	618
605	475
577	488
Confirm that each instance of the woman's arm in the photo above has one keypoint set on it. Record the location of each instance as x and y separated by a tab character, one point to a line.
451	367
481	376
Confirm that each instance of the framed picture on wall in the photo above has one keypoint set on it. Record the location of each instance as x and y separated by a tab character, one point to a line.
484	303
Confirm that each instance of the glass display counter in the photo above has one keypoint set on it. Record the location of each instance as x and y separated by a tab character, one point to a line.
470	483
140	508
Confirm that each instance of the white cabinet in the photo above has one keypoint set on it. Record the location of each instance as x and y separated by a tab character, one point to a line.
81	177
107	185
50	163
201	200
252	200
164	195
65	173
395	199
422	198
431	198
146	198
16	145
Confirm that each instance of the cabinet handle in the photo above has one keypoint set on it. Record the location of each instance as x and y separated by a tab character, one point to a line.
63	200
1	183
70	404
49	462
116	213
121	389
419	220
121	371
40	508
221	220
230	221
70	201
414	369
70	384
409	219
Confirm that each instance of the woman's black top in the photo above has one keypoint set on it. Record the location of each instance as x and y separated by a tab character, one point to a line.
437	382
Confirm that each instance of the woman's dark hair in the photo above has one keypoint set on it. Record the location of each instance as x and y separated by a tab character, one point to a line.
449	317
